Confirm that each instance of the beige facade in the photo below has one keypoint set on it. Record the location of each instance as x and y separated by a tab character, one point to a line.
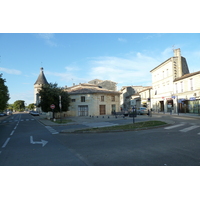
91	100
130	96
174	89
145	97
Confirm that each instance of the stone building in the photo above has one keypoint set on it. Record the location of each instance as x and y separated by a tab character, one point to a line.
92	100
130	97
187	93
174	88
41	80
145	96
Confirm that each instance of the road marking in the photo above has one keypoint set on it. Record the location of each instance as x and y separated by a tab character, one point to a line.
53	131
12	132
6	142
43	142
175	126
189	128
198	133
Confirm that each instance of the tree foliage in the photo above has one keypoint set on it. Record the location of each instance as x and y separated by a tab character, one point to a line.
19	105
31	106
49	94
4	94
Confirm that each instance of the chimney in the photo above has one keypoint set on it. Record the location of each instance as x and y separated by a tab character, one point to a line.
177	52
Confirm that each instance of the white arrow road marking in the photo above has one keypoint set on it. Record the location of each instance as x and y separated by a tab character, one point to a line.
43	142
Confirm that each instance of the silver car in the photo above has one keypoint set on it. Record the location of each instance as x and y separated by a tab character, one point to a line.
142	111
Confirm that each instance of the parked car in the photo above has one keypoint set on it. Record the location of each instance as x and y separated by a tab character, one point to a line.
34	113
3	114
9	113
142	111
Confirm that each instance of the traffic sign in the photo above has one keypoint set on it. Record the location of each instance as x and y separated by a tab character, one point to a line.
52	106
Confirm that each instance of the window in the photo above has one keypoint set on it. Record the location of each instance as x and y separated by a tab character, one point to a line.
112	98
82	98
102	98
73	100
181	86
191	84
167	73
176	88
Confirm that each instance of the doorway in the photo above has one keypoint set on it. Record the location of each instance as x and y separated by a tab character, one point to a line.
82	110
102	109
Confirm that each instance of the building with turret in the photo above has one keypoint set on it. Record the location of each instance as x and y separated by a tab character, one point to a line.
41	80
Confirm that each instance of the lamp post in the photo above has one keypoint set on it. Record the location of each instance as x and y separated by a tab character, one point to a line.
60	105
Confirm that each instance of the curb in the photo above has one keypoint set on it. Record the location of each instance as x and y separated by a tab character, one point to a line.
112	131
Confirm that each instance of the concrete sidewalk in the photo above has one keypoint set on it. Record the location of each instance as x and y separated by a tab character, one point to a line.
87	119
190	115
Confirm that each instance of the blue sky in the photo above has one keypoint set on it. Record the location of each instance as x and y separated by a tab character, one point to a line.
68	58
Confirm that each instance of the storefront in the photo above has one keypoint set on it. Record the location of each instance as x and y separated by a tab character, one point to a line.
191	105
170	104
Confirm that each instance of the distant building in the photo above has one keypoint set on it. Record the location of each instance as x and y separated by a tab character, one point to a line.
109	85
92	100
130	96
38	86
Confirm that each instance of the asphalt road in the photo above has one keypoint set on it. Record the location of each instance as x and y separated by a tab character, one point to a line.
176	145
26	142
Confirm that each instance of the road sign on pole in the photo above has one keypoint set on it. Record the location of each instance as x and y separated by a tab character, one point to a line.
52	106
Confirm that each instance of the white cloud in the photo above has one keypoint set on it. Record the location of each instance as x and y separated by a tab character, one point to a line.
10	71
122	40
134	70
48	38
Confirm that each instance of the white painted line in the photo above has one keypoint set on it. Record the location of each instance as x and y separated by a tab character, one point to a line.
175	126
198	133
55	132
12	132
189	128
6	142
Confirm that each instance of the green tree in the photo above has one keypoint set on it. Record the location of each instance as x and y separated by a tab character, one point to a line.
31	106
19	105
10	107
49	94
4	94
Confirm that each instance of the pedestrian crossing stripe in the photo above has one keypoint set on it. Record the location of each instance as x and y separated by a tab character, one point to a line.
16	120
189	128
53	131
175	126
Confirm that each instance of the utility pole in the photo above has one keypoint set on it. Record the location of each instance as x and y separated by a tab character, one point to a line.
60	105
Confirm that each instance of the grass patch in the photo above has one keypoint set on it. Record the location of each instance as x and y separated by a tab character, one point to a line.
135	126
63	121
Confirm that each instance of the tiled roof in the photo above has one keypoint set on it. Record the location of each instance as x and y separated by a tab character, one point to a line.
186	76
41	78
89	89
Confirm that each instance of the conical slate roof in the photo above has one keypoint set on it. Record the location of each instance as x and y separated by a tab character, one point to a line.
41	78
